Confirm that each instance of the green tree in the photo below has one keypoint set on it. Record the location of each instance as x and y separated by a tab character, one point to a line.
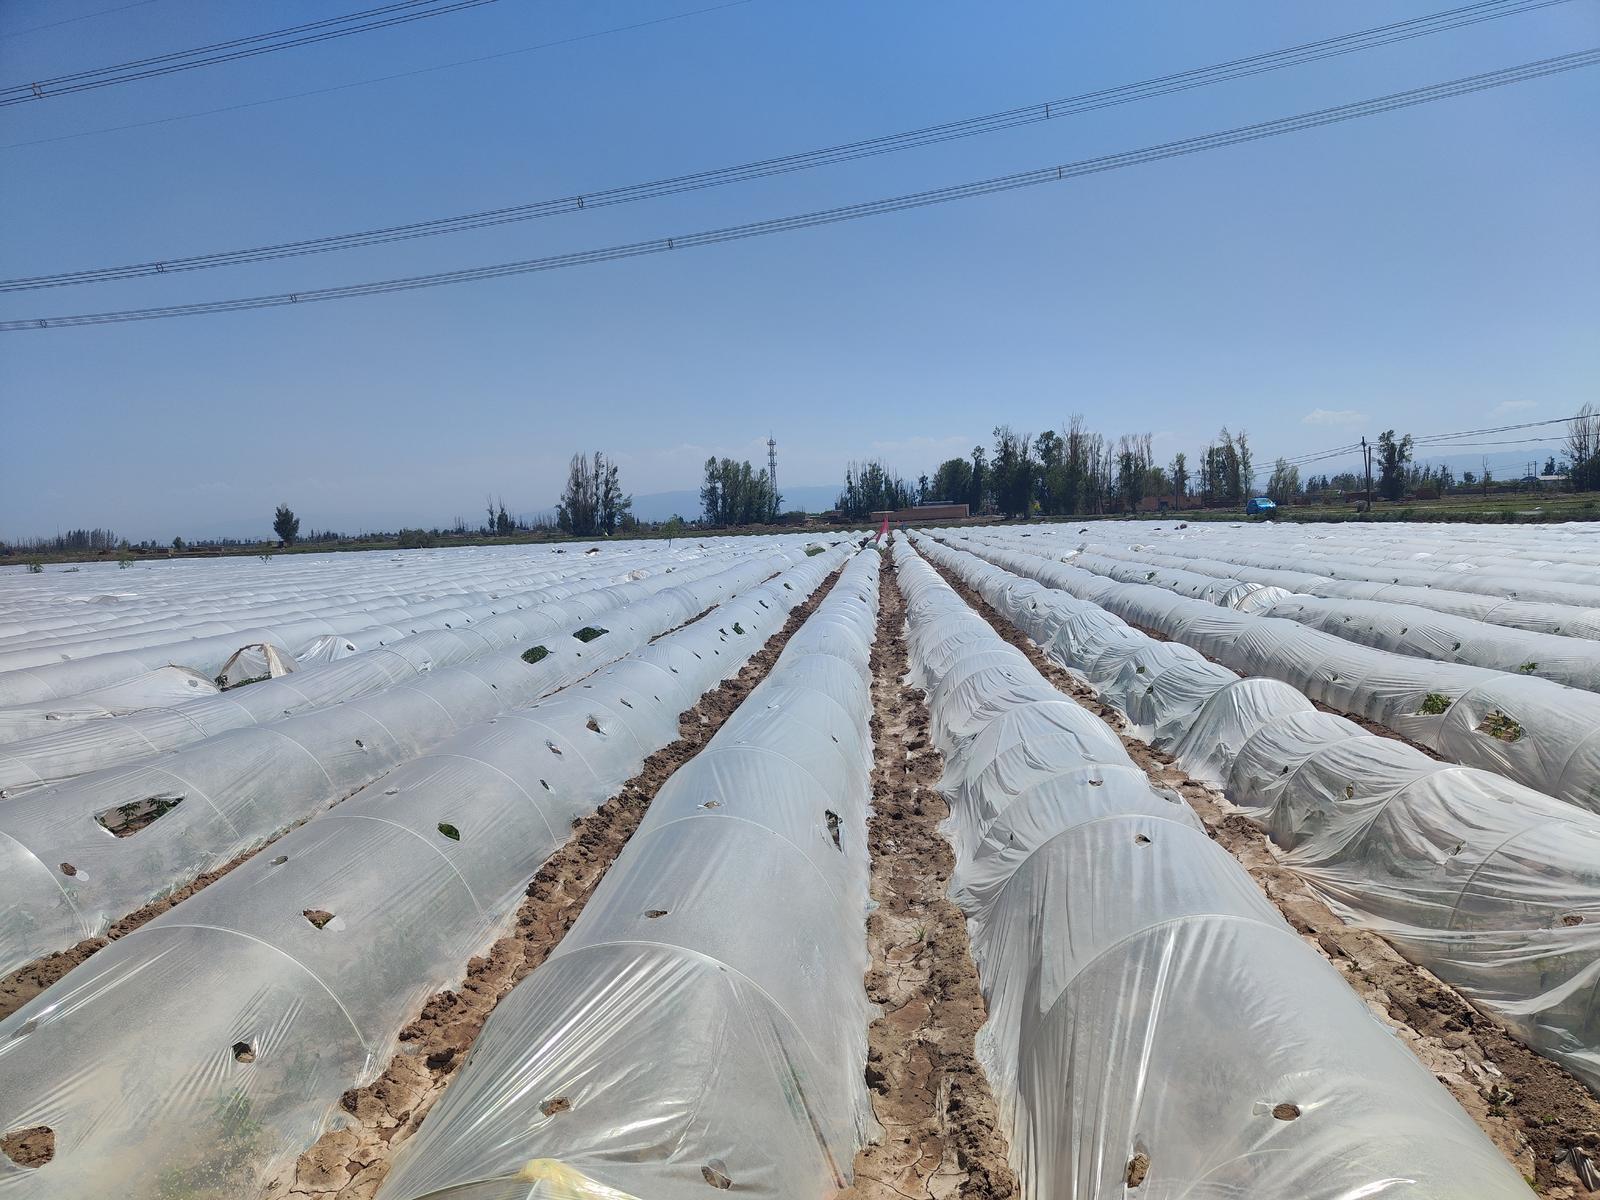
1583	450
1133	469
286	525
952	482
616	507
871	487
1283	486
979	486
1393	455
1013	472
735	493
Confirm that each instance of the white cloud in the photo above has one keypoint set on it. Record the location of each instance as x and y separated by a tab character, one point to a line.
1333	416
1507	407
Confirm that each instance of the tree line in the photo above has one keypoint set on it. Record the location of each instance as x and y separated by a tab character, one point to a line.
735	493
1074	472
1079	472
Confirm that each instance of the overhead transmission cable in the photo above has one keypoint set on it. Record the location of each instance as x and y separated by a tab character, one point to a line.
869	148
1447	441
311	33
103	12
376	79
892	204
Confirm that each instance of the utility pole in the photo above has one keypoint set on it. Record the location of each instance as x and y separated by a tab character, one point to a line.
772	472
1366	458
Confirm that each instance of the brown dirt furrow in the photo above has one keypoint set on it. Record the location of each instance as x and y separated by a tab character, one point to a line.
941	1135
1542	1118
350	1162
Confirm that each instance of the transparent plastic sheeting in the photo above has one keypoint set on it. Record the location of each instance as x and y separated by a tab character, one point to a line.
93	639
1323	563
59	637
1492	886
209	1047
1385	623
165	687
55	757
704	1019
44	618
373	634
1155	1028
1536	732
1536	565
66	874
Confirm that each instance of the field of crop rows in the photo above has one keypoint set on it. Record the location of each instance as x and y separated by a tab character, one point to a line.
1068	862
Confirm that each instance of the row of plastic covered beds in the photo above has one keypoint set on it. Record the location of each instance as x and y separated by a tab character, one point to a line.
1156	1029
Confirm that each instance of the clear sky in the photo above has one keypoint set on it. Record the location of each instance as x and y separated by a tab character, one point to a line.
1432	269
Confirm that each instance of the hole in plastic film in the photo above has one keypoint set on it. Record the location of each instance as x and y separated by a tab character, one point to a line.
30	1148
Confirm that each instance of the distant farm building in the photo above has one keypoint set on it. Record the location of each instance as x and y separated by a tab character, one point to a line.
921	513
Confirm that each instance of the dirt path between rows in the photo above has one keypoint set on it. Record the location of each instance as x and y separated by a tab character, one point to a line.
1541	1118
941	1136
349	1163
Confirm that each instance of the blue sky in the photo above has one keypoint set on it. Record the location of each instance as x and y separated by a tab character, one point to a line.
1431	269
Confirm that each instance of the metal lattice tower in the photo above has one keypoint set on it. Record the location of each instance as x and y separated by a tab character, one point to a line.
772	464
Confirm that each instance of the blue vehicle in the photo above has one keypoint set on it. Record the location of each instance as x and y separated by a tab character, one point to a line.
1260	506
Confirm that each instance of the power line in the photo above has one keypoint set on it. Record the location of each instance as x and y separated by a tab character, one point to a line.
401	13
807	160
344	87
1446	441
966	191
104	12
1426	439
1496	429
1542	441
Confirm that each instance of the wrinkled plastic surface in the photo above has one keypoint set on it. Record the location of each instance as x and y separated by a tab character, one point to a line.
704	1019
65	633
227	794
1492	886
519	619
211	1045
1152	1019
1533	730
164	687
